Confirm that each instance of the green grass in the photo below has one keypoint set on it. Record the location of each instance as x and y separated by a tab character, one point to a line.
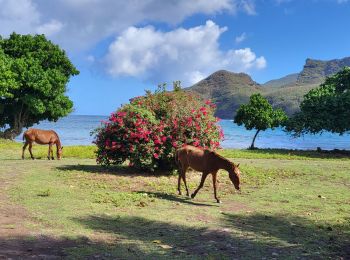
293	204
285	154
14	150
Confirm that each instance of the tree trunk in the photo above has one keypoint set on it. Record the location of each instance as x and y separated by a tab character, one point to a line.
15	128
252	145
10	133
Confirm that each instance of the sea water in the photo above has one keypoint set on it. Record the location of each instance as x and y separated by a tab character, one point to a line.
76	130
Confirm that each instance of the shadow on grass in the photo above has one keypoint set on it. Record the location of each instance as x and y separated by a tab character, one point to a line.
254	236
114	170
311	239
40	247
251	237
175	198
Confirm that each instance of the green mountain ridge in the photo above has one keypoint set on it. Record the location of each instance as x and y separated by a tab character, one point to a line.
228	90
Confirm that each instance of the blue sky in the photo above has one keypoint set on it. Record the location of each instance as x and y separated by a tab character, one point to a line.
124	47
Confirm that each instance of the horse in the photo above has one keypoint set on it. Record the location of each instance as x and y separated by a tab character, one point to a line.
39	136
207	162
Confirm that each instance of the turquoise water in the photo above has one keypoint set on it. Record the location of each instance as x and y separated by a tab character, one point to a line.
75	130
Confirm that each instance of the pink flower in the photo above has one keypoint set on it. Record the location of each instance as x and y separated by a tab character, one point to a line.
155	155
121	114
196	143
163	138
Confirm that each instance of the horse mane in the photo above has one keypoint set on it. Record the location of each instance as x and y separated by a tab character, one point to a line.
58	138
222	158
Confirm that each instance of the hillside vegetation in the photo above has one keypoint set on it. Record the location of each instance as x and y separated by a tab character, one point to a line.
229	90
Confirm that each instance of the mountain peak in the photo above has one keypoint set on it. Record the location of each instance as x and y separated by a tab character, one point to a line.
315	71
223	86
224	76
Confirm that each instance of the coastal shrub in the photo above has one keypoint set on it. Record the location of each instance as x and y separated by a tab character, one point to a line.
147	131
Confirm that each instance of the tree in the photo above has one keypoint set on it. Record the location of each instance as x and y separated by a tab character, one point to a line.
258	114
34	73
326	108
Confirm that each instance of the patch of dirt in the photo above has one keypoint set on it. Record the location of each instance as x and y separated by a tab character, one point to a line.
16	240
233	207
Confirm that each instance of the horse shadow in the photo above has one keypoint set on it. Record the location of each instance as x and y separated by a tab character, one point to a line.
177	198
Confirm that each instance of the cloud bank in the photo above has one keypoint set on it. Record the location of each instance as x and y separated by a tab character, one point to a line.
182	54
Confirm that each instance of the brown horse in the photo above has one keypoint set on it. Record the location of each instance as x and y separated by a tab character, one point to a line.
207	162
39	136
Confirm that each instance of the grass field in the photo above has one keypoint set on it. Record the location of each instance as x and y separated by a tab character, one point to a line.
293	204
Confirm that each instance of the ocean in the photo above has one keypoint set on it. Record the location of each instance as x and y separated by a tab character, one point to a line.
76	129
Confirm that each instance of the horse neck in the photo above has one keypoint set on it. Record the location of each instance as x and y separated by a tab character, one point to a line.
223	163
58	143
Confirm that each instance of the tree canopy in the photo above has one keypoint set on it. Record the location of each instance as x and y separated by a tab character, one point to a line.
259	114
326	108
34	73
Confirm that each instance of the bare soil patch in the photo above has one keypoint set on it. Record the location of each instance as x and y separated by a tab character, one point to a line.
16	240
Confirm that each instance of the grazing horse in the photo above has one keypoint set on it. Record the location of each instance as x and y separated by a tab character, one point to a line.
207	162
39	136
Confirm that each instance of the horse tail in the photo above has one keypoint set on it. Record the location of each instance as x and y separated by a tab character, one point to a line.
177	161
176	157
24	136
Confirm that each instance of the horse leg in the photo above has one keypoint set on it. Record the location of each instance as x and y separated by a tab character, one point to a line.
48	153
183	175
179	181
30	150
204	175
52	157
214	175
23	149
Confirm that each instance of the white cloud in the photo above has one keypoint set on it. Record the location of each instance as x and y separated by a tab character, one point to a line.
248	6
87	22
241	38
50	28
181	54
20	16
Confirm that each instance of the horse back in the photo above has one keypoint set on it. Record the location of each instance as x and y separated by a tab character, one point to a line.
196	158
40	136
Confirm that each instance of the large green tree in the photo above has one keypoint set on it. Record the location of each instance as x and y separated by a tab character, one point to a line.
326	108
34	74
259	114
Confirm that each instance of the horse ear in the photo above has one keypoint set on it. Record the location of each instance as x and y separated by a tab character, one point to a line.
237	165
62	148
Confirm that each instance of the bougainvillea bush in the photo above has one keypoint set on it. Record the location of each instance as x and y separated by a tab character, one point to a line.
147	132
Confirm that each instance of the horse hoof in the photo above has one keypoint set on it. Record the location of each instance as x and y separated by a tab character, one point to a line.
48	158
193	195
180	193
187	194
218	201
52	158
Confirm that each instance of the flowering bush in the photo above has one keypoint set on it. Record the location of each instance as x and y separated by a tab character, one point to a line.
148	131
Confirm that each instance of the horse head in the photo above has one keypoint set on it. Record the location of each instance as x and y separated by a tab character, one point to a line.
235	175
59	153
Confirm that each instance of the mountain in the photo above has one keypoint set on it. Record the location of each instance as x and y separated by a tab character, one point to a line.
290	79
315	71
228	90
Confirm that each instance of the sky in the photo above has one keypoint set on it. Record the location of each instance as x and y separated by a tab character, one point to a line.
123	48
